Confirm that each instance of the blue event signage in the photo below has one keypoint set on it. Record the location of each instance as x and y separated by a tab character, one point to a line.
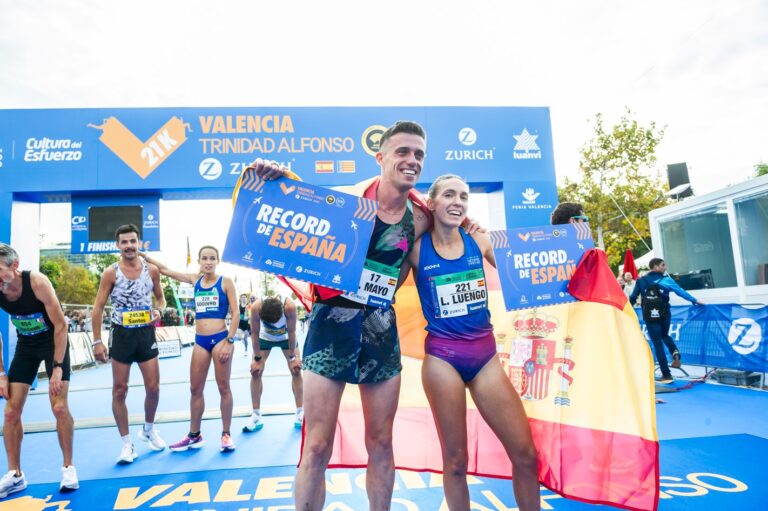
535	264
95	219
298	230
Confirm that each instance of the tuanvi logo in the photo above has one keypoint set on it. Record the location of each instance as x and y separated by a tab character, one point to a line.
530	195
143	157
526	147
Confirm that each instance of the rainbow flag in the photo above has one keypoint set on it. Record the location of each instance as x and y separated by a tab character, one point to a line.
585	374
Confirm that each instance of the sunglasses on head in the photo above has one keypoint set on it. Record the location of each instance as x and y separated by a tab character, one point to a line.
583	218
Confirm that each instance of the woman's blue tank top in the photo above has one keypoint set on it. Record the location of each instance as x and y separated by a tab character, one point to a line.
453	293
211	302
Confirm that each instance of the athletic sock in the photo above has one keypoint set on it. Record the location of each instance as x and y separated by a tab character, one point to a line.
126	439
148	426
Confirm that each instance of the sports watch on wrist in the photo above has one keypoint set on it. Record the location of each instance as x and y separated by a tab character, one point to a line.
231	340
58	364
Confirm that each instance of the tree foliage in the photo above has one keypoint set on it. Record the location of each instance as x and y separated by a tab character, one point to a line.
761	169
51	267
74	284
617	174
168	285
98	263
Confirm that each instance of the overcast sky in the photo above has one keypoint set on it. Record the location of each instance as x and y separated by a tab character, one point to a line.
697	67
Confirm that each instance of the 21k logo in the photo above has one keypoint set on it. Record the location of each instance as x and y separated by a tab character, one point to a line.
142	157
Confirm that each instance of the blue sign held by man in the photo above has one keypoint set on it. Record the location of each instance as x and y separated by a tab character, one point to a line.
298	230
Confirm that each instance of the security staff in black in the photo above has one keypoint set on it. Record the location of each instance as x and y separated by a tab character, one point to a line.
29	298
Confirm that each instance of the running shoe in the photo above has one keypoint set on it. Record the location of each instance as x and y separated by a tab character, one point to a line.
188	443
69	480
666	379
127	454
299	419
11	483
675	360
254	424
153	439
226	443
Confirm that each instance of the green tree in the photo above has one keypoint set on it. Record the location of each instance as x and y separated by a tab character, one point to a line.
761	169
619	185
97	263
168	286
51	267
76	285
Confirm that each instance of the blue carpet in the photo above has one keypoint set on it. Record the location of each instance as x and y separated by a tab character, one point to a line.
699	473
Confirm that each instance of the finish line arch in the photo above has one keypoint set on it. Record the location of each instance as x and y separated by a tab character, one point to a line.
128	155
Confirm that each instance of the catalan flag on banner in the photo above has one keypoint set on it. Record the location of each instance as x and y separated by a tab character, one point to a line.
345	166
189	254
323	166
585	374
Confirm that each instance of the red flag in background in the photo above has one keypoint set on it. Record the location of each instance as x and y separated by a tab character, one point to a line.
629	264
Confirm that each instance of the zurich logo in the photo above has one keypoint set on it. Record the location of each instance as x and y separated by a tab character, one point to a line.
744	336
467	136
210	169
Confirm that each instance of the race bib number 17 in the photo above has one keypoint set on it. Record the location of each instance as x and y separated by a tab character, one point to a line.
378	284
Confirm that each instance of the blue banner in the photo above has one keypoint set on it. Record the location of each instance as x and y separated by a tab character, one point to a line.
535	264
729	336
302	231
95	219
192	148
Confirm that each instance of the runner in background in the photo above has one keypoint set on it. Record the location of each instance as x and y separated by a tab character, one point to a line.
29	298
130	283
273	325
215	297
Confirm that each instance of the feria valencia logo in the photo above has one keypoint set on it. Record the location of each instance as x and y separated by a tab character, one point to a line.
143	157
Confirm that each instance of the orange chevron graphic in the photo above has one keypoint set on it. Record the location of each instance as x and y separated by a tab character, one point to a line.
499	239
143	157
366	209
287	189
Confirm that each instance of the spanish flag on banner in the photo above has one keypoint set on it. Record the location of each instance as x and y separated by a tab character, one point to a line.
585	374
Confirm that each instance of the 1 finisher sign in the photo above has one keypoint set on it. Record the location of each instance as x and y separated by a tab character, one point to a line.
297	230
536	263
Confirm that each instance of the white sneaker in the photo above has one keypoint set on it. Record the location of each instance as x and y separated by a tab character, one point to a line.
9	483
127	455
299	419
153	439
254	424
69	480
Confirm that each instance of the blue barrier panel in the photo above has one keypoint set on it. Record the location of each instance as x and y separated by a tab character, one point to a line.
727	335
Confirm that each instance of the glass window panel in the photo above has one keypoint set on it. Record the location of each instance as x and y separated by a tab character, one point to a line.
697	249
752	219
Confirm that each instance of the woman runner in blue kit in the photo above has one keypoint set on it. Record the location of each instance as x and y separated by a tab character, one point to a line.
215	297
461	350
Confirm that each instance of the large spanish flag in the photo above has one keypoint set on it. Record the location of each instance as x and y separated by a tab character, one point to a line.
585	374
